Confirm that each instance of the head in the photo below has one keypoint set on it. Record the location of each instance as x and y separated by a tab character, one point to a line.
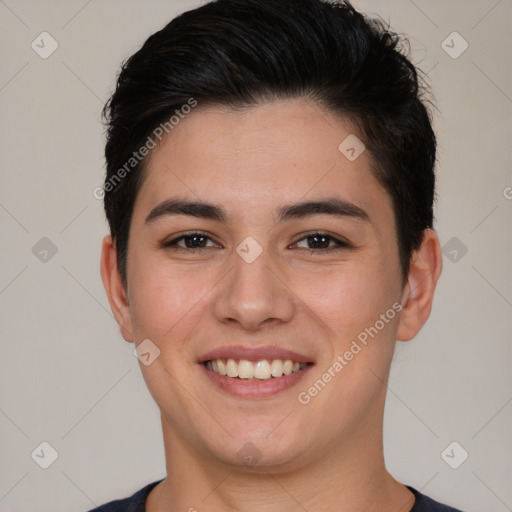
277	130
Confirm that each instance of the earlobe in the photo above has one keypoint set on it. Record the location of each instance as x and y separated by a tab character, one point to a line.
115	289
418	294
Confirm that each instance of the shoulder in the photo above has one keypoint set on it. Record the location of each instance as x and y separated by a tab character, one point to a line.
134	503
425	504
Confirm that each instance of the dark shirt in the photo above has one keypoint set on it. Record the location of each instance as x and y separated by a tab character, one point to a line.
136	503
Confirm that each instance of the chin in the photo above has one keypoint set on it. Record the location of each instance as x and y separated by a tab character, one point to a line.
259	454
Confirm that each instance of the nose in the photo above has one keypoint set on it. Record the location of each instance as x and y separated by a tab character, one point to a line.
254	295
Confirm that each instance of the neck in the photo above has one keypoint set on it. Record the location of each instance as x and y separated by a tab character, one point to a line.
348	476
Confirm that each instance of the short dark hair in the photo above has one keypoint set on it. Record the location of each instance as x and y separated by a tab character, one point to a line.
238	53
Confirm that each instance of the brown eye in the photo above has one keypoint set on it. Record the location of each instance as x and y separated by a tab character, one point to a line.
191	242
322	242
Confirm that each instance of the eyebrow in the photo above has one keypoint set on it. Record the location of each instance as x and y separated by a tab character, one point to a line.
203	210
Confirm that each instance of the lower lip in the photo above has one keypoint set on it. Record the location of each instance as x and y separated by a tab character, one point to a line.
255	388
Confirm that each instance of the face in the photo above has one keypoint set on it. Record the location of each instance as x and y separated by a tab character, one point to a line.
293	256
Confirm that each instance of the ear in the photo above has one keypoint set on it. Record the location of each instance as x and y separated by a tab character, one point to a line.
115	288
418	294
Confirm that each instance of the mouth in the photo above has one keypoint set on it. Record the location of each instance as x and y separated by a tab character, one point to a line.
262	369
254	372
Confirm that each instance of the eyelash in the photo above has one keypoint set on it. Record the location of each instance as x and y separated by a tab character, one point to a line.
341	244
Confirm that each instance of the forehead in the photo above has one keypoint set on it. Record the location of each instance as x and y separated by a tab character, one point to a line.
261	157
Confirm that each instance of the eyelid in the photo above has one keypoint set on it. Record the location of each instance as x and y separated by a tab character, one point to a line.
341	243
177	238
338	240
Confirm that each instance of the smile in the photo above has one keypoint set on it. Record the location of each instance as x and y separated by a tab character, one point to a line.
259	370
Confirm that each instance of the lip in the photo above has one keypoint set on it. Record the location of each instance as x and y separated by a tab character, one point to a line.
254	354
254	388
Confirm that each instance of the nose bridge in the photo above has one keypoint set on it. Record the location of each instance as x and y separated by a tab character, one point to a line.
252	294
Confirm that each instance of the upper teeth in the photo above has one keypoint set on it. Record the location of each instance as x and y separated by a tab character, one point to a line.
262	369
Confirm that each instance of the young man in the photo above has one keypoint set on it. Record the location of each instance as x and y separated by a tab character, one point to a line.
269	190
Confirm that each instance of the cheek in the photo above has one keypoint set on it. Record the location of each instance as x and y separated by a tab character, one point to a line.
351	296
351	301
361	343
162	298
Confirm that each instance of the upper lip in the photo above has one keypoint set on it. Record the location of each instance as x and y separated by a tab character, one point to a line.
254	354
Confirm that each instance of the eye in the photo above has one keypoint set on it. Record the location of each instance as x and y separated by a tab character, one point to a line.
321	242
191	241
315	242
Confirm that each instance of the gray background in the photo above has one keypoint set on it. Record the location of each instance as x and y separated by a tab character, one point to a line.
69	379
